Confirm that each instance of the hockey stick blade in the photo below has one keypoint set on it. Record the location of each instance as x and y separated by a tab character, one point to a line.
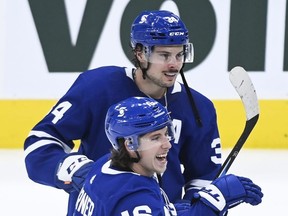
245	89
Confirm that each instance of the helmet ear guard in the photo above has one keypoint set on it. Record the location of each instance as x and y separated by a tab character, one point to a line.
132	146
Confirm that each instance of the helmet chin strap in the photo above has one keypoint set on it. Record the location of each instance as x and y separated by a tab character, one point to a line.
191	99
144	70
136	160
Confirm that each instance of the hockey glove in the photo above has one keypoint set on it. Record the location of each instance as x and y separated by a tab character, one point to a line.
229	191
72	171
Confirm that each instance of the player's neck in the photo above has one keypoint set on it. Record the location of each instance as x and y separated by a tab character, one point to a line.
147	87
136	168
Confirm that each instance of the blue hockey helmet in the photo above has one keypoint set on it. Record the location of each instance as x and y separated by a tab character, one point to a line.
160	27
134	117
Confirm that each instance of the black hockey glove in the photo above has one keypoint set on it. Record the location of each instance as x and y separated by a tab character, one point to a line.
72	171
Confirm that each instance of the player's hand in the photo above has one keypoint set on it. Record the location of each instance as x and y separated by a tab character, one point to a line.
229	191
72	171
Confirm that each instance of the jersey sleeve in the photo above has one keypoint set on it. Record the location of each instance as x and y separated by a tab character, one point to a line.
52	138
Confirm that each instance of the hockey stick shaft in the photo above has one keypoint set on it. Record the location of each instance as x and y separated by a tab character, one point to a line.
234	152
244	87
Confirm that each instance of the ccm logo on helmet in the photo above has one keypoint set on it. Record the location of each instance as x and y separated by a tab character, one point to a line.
176	33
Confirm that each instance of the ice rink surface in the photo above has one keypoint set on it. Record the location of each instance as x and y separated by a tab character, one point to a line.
20	196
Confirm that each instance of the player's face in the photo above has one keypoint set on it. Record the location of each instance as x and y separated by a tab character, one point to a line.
165	64
153	150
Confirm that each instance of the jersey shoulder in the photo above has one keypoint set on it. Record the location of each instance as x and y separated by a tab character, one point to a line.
122	191
102	81
106	72
178	92
105	175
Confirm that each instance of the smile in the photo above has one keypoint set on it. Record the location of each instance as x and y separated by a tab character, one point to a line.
161	157
171	74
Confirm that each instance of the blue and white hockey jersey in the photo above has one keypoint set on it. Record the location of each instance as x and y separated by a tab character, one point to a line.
108	191
80	115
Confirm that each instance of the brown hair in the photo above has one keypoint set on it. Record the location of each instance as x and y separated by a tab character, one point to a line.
138	48
120	158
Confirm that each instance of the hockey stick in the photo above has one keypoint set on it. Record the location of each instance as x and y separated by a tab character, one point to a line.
245	89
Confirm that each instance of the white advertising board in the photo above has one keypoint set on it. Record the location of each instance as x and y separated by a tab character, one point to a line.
24	73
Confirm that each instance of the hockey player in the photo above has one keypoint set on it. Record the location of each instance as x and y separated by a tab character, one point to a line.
140	130
161	46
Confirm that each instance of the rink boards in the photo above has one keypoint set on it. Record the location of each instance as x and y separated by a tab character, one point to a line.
19	116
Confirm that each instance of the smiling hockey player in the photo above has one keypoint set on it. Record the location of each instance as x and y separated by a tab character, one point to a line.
140	131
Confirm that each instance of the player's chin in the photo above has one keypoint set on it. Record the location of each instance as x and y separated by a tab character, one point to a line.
169	83
160	167
170	80
160	170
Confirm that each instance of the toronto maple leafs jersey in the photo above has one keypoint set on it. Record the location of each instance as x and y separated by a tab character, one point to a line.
109	191
80	115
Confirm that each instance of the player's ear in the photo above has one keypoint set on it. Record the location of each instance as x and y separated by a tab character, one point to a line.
127	144
140	56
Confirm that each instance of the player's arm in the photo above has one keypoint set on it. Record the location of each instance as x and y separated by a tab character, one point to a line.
148	203
49	143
